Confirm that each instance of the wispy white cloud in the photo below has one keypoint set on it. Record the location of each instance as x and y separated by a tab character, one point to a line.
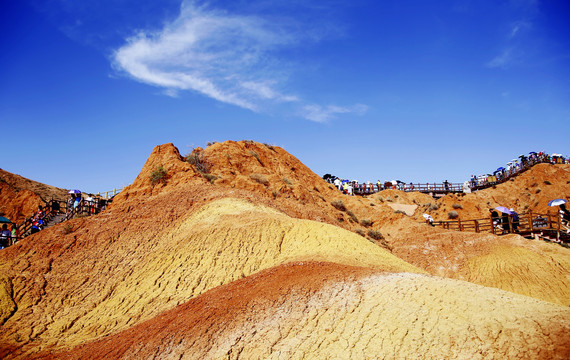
518	27
216	54
502	60
325	113
224	56
514	43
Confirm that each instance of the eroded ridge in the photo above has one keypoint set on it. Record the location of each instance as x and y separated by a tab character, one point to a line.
324	310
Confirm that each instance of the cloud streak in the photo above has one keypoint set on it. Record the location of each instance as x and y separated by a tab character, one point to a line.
502	60
323	114
230	58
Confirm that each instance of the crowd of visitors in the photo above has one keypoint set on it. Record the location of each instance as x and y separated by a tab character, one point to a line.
513	167
75	205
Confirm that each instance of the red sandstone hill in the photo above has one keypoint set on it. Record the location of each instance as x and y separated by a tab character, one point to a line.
243	252
20	197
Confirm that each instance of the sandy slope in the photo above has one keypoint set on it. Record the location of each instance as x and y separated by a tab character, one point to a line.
95	285
323	310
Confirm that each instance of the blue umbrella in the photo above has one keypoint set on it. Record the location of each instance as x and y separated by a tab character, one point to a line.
74	192
4	220
501	169
556	202
532	153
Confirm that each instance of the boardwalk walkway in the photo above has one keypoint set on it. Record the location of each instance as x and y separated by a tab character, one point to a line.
547	226
441	189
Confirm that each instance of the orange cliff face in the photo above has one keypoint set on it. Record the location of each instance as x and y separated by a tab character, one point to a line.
20	197
252	254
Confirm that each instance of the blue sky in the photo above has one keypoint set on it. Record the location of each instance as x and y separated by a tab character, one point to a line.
414	90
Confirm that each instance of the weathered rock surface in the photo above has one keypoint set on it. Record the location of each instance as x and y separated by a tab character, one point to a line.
93	282
258	257
20	197
323	310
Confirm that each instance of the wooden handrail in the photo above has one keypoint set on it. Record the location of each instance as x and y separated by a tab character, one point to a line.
441	188
528	223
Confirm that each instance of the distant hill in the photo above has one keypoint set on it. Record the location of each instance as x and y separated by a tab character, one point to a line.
20	197
240	251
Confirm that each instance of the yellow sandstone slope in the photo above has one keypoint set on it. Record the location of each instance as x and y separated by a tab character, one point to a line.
513	263
224	241
328	311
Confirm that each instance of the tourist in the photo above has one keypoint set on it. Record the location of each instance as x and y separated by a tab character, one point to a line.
514	220
5	235
37	225
505	223
77	203
40	214
429	219
14	233
564	214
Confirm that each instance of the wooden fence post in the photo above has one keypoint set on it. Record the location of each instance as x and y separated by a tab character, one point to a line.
530	221
558	230
476	225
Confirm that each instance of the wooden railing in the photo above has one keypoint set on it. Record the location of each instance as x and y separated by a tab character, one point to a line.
25	228
528	223
445	188
109	194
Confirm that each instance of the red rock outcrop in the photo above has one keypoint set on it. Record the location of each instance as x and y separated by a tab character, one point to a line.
20	197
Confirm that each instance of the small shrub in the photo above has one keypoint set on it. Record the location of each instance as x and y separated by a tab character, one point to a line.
400	212
360	232
256	156
287	181
271	147
534	185
67	229
260	178
537	191
453	214
385	244
210	177
372	204
338	204
380	198
366	222
209	143
433	206
199	161
352	216
389	199
457	206
376	235
158	175
546	182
